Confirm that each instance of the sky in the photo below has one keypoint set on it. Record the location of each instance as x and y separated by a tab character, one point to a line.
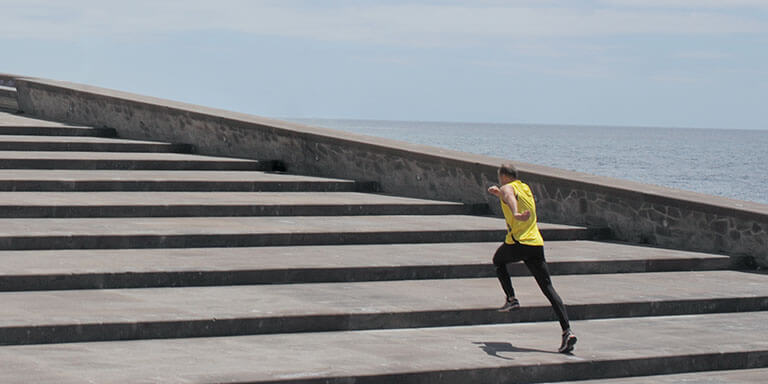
667	63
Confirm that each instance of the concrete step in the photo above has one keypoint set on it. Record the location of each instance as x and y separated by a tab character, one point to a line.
56	131
19	124
157	204
126	160
186	232
478	354
85	144
121	314
169	267
736	376
205	181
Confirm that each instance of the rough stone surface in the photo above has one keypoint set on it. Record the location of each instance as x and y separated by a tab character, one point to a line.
682	226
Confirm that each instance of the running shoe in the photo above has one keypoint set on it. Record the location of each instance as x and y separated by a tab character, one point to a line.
511	304
569	340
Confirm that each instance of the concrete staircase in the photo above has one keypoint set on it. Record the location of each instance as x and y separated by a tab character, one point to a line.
129	261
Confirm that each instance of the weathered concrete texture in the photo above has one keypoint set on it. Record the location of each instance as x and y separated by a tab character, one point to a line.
136	268
306	150
738	376
14	120
8	98
155	204
256	231
93	315
159	180
8	79
682	226
125	160
57	131
478	354
295	284
84	143
12	124
412	170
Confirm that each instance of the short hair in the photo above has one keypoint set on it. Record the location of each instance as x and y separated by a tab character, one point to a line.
508	169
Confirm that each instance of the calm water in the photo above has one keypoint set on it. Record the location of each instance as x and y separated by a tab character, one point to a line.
730	163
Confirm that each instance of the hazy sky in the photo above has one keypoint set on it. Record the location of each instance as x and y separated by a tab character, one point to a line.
690	63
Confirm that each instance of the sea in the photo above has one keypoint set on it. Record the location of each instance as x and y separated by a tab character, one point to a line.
722	162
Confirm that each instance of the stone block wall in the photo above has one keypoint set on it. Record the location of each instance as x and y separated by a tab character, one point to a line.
663	220
633	212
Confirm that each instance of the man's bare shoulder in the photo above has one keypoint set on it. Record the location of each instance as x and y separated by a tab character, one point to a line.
508	189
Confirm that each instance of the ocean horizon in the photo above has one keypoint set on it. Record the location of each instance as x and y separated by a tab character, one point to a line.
730	163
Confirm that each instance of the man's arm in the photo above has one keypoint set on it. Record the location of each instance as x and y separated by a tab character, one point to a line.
509	198
494	190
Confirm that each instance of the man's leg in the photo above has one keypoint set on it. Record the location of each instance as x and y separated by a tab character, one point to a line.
506	254
538	267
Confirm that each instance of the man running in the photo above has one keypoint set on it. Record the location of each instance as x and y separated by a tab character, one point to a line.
524	243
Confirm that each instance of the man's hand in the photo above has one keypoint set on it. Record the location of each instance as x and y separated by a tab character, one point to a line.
494	190
523	216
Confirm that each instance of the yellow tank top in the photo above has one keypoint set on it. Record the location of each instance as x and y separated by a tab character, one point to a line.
523	232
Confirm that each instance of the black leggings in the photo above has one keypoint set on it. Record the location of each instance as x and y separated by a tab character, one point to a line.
533	256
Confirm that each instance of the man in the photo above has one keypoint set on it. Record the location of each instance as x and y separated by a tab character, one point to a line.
524	243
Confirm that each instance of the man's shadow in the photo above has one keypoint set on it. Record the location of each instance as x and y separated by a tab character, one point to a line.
493	349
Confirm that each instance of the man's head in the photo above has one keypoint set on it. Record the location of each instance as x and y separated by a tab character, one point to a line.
507	173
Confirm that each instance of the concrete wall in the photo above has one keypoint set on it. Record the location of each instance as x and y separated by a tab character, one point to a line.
8	98
8	80
8	92
634	212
